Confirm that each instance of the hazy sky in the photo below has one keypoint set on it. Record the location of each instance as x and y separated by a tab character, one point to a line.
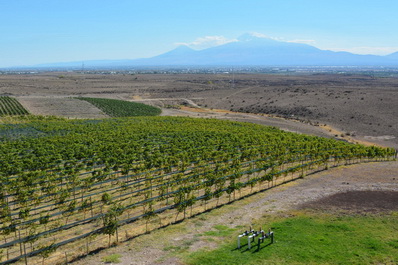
42	31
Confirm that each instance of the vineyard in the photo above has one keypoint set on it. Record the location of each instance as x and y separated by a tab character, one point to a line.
71	187
10	106
121	108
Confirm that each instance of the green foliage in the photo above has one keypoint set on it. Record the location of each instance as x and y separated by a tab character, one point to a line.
121	108
106	198
113	258
313	238
47	250
10	106
110	223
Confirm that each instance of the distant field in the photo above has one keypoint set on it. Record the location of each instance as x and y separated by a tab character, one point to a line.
10	106
360	105
66	107
120	108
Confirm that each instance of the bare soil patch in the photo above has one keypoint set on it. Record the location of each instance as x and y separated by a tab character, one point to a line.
364	201
61	106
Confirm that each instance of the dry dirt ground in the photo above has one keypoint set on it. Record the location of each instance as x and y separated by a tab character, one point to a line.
61	106
359	105
362	188
357	201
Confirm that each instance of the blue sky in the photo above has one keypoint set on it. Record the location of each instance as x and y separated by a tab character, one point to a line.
42	31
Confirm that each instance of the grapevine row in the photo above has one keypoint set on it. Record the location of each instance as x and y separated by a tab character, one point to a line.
122	170
10	106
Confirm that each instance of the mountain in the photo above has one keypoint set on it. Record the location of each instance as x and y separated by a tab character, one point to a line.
249	50
393	56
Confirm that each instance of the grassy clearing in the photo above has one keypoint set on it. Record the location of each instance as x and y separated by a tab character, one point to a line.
113	258
121	108
309	238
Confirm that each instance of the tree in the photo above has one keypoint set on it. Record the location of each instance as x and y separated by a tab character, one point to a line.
110	221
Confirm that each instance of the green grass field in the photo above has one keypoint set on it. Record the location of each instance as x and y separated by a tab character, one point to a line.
309	238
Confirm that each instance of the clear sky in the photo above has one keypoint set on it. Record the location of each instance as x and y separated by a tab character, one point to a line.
44	31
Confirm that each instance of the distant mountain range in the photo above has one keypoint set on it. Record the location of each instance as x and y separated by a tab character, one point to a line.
248	50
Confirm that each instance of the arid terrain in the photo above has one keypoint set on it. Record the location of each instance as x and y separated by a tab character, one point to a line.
358	106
